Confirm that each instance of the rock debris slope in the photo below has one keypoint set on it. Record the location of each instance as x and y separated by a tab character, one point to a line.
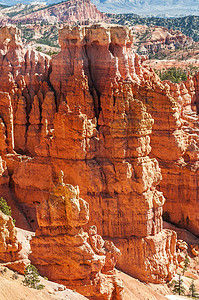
97	113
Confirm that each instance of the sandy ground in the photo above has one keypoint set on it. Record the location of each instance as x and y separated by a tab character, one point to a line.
12	288
175	297
136	290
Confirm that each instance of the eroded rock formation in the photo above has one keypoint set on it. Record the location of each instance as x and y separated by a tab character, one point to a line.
11	254
98	114
155	38
179	161
69	255
9	245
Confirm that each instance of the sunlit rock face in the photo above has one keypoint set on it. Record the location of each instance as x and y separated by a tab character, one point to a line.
124	197
9	244
97	113
81	261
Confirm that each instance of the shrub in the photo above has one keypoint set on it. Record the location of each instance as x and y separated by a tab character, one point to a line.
15	276
175	75
39	48
51	53
4	207
32	278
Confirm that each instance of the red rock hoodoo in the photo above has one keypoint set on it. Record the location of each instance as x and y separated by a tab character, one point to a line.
96	112
69	255
9	245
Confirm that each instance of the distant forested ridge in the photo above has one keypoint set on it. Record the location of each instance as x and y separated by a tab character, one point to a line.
187	25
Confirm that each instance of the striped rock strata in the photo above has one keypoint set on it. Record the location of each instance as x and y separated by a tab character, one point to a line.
106	120
97	130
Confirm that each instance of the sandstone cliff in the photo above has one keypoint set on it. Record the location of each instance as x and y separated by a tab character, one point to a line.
180	169
98	114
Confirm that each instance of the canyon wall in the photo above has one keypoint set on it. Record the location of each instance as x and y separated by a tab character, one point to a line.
97	113
177	151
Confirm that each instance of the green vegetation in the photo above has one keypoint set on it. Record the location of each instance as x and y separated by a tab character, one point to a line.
192	290
187	25
49	34
32	278
193	69
159	55
47	40
4	207
39	48
51	53
15	276
186	263
27	33
178	286
175	75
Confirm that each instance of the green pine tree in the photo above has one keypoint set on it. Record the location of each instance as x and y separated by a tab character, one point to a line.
192	290
178	286
186	263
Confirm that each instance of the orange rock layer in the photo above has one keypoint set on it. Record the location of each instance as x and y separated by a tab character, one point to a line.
9	245
97	113
81	261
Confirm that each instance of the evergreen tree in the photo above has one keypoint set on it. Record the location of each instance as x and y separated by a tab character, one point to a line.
186	262
192	290
178	286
